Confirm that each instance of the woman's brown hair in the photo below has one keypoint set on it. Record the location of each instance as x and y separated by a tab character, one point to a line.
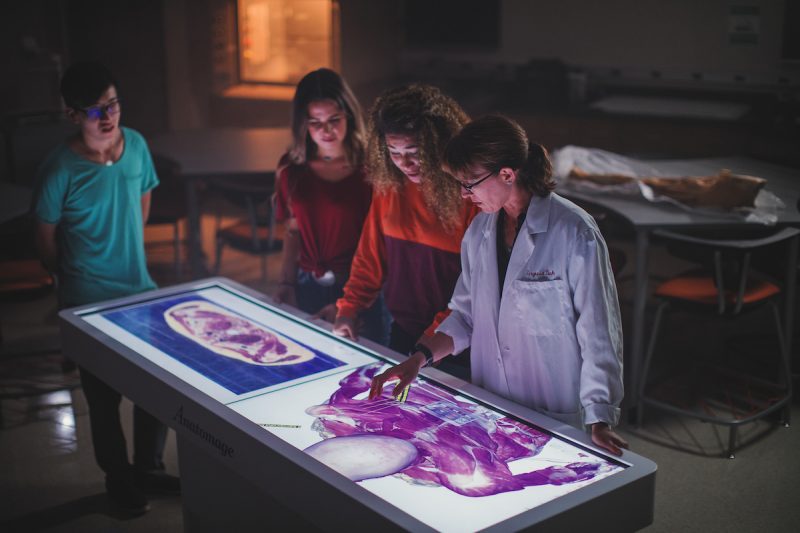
325	84
432	118
494	142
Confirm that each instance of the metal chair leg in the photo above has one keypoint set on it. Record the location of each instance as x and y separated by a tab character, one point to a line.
271	241
785	356
731	441
651	345
218	259
177	248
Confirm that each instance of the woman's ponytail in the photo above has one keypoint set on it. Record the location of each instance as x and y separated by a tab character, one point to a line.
537	174
494	142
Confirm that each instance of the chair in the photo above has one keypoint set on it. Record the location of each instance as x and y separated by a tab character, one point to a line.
727	287
22	276
616	257
168	202
255	233
609	227
29	137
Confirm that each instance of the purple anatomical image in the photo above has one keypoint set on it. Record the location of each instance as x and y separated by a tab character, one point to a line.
233	336
434	439
234	351
365	456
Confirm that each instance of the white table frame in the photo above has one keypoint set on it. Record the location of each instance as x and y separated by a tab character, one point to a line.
238	476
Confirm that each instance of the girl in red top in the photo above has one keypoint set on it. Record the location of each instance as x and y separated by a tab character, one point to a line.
411	240
323	197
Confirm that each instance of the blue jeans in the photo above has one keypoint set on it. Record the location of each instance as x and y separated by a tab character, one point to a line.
311	297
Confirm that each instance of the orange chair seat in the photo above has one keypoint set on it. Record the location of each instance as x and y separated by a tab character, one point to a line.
23	275
240	236
700	288
243	230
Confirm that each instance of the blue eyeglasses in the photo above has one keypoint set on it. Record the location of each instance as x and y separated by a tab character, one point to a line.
96	112
471	186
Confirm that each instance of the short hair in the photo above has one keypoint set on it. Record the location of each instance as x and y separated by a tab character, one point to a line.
84	83
325	84
433	118
494	142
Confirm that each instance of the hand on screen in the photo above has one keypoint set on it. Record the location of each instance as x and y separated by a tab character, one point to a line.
285	294
607	438
327	313
345	327
406	372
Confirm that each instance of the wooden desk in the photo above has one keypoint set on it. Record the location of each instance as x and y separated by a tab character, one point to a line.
229	153
647	216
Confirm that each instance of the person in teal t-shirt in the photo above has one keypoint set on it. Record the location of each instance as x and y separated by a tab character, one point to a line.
92	202
98	212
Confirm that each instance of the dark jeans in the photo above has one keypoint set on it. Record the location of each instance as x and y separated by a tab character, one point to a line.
311	297
110	449
401	341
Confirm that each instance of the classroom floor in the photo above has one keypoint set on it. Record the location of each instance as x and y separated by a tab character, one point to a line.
50	482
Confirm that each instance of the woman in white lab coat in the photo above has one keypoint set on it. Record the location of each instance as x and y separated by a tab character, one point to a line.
536	300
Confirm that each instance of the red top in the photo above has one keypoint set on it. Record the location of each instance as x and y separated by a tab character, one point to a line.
329	214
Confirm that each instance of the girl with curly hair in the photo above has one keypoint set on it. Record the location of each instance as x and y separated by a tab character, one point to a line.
410	242
323	196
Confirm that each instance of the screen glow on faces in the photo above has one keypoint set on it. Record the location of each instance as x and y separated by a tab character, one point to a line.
468	187
450	462
404	152
327	123
100	120
485	189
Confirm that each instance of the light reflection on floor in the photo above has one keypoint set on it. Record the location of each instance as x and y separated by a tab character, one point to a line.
53	411
63	437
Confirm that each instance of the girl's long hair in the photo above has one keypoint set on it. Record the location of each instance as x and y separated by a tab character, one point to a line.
325	84
432	118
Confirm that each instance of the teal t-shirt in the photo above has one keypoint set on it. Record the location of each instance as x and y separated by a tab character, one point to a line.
99	215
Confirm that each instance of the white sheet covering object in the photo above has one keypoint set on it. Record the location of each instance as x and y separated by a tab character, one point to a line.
596	161
671	107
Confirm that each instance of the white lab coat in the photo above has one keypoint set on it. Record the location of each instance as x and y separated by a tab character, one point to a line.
553	342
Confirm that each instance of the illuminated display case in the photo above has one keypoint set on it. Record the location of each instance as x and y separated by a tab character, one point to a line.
281	40
273	423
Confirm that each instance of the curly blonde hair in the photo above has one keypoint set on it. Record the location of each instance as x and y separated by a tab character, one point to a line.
432	118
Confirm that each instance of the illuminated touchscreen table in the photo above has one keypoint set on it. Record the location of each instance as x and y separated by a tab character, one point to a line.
274	426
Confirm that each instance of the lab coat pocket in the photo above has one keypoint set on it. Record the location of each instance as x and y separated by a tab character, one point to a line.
540	305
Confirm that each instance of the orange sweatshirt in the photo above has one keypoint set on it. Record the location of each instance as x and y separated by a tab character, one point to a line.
405	250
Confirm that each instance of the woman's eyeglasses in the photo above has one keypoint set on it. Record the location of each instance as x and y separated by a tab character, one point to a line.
471	186
96	112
